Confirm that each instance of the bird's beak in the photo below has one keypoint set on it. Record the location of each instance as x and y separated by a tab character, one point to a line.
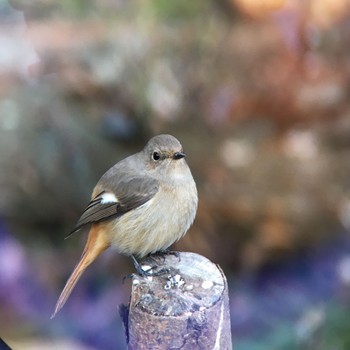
179	155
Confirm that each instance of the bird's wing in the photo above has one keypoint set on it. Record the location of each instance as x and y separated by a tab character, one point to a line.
127	195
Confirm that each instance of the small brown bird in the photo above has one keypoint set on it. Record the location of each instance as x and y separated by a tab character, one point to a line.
142	205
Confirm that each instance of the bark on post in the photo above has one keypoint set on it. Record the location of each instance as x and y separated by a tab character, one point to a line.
186	308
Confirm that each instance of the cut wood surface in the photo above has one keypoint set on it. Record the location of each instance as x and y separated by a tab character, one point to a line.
186	308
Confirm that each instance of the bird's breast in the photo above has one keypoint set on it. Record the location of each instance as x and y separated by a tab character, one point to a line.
156	224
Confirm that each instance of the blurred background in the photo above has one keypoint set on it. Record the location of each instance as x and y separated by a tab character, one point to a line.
258	93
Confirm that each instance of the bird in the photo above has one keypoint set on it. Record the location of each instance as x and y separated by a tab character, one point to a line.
139	207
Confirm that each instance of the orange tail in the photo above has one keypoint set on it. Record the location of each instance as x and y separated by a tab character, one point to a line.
95	245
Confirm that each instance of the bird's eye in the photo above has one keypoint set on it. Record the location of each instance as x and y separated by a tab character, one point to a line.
155	156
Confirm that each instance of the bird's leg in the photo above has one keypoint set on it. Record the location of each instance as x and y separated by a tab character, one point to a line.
148	272
139	268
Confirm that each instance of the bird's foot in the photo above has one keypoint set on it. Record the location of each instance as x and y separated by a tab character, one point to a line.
148	271
162	254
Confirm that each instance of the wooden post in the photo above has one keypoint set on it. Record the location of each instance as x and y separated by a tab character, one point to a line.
187	308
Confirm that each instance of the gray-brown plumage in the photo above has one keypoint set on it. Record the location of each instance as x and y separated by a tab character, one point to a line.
142	205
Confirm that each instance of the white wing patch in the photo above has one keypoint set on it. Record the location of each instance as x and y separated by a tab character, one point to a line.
108	198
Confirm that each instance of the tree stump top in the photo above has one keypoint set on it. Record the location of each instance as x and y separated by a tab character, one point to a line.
193	283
